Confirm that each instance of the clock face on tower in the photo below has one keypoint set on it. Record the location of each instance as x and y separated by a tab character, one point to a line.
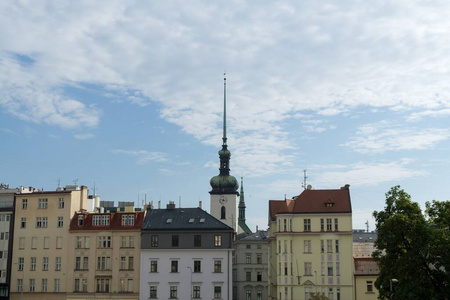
223	199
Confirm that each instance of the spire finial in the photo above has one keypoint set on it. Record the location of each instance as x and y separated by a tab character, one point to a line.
224	138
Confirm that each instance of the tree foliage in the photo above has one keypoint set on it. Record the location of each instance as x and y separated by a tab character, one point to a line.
413	248
318	296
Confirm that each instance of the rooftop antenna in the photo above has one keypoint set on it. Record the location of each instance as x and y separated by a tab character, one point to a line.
179	201
75	181
59	182
367	225
304	185
94	190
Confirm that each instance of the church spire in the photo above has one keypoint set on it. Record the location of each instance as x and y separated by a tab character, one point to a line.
242	202
224	138
224	183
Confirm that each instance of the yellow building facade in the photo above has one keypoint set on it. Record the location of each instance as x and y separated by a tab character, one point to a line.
311	246
41	242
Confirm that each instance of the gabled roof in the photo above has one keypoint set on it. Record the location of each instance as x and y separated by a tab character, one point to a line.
244	227
182	219
314	202
260	235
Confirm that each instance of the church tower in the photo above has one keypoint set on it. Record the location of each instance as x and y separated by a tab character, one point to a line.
224	192
242	225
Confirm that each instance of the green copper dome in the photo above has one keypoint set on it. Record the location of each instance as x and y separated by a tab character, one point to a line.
224	184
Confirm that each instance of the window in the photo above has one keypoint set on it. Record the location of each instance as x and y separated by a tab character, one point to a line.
329	226
174	266
41	222
80	220
56	285
84	285
308	292
322	225
222	213
123	261
20	264
22	243
197	240
154	241
307	246
308	269
24	203
338	293
103	263
338	269
33	264
130	263
61	203
258	276
173	292
153	292
330	268
32	282
322	268
79	241
330	294
337	246
85	263
123	241
369	286
20	285
218	240
248	276
128	219
104	242
197	266
77	263
307	225
42	203
45	264
46	242
96	220
248	295
285	268
153	266
60	221
196	292
23	222
259	259
102	285
175	240
248	258
44	285
34	242
217	292
248	246
131	242
258	295
336	225
329	246
58	264
284	225
217	266
104	220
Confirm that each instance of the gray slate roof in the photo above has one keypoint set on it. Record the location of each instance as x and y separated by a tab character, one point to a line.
182	219
260	235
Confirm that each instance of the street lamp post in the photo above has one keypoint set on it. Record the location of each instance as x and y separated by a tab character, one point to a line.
393	280
191	280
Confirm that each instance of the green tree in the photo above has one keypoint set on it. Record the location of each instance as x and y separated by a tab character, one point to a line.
318	296
412	248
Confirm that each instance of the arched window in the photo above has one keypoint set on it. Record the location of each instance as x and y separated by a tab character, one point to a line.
222	212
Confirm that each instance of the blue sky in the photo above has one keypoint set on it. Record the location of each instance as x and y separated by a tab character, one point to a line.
129	96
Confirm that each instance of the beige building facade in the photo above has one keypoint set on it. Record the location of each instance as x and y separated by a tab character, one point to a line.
41	242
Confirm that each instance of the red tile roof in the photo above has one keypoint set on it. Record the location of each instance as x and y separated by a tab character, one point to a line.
115	221
314	202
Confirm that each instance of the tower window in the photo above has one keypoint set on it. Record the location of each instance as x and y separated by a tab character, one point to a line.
222	212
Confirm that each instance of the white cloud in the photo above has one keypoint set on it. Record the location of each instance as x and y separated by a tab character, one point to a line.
429	113
143	156
84	136
386	136
364	174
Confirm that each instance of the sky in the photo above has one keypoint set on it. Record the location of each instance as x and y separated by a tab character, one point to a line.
127	96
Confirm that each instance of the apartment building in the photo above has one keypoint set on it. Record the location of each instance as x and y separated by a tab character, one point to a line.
310	249
366	269
104	251
6	236
186	253
250	266
41	243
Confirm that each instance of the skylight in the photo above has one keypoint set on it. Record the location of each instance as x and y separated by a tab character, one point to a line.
169	221
191	220
202	220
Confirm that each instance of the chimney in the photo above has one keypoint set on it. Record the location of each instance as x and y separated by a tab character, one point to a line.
159	204
171	205
200	204
256	228
345	187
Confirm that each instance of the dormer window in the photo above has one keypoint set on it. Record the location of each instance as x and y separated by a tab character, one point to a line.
329	203
169	221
